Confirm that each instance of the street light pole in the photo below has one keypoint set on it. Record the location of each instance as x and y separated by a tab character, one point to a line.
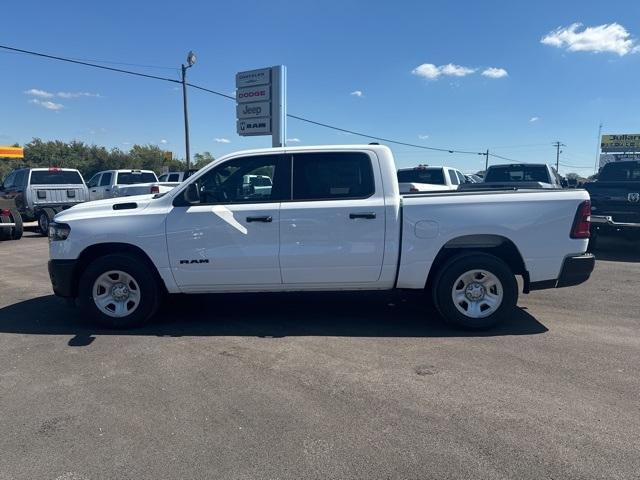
191	60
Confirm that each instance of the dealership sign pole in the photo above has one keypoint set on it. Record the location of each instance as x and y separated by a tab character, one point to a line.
261	103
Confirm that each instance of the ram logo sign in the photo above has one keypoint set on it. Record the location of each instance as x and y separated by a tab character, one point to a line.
634	197
195	260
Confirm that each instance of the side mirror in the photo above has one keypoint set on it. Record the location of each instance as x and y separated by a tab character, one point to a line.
192	194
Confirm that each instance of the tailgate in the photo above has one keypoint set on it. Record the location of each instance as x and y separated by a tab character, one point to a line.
58	194
619	200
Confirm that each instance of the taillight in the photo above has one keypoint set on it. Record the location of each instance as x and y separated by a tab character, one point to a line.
413	190
582	222
155	188
5	213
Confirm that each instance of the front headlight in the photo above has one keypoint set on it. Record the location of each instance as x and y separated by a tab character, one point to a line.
58	231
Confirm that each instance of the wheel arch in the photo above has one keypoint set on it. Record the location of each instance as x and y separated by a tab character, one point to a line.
496	245
98	250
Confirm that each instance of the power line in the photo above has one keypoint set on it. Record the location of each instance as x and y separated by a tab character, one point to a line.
504	158
87	64
296	117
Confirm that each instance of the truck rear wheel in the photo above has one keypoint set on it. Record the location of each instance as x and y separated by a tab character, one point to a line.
475	291
44	219
5	232
118	291
18	230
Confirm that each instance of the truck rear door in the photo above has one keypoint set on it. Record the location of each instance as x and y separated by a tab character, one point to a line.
333	229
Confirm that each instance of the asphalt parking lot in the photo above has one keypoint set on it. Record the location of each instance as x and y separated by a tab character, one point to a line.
321	386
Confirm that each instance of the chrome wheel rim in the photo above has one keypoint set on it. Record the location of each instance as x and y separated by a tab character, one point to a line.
477	293
116	293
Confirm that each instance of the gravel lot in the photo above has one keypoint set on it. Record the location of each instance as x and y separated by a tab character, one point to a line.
321	386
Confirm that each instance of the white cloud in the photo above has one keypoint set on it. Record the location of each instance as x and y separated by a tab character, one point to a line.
493	72
357	93
609	37
293	140
432	72
534	119
47	104
222	140
423	137
34	92
163	141
76	94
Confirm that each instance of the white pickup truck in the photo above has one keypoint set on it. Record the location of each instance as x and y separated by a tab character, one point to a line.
332	220
424	178
126	183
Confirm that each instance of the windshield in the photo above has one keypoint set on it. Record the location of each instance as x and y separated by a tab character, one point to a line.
517	173
422	175
53	177
621	171
129	178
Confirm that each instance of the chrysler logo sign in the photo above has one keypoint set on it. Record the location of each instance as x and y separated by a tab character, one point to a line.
634	197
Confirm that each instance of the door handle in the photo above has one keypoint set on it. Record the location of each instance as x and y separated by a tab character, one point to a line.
93	191
265	218
366	215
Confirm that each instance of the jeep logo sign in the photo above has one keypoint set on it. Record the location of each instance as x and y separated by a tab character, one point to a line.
252	110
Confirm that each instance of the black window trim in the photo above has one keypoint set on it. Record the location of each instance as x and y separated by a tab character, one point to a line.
177	200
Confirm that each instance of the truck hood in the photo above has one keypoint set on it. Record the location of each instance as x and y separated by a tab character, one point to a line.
105	208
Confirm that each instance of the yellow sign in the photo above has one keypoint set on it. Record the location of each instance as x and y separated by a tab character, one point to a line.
168	156
11	152
620	143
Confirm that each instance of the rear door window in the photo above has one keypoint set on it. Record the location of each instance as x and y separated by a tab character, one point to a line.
55	177
174	177
332	176
453	177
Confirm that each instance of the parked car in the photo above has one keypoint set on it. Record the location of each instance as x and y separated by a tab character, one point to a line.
10	219
107	183
519	175
333	220
40	193
425	178
176	176
615	200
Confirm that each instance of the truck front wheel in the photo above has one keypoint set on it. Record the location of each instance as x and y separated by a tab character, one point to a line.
475	290
118	291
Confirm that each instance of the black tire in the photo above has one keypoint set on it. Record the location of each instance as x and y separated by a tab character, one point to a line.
133	266
453	269
44	219
18	230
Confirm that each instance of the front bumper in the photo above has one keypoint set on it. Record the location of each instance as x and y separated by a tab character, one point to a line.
61	273
575	270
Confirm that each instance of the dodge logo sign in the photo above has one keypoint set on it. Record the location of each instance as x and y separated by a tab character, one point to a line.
634	197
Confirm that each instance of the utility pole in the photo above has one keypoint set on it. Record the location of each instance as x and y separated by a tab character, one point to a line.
558	145
486	161
595	166
191	60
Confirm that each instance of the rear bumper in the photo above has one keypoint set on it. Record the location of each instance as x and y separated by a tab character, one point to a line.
575	270
607	221
61	273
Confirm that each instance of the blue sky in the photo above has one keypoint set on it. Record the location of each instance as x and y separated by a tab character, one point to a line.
418	64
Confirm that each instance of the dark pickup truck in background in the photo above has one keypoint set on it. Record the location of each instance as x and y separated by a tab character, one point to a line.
615	200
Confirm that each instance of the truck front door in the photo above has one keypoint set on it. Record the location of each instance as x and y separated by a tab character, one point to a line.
333	229
223	232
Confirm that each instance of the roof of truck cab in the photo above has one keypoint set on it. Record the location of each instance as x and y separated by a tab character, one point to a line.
262	151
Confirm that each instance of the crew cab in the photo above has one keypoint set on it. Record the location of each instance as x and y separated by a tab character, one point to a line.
107	184
518	175
615	200
40	193
332	220
424	178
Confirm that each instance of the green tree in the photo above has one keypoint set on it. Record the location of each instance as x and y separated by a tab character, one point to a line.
202	159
